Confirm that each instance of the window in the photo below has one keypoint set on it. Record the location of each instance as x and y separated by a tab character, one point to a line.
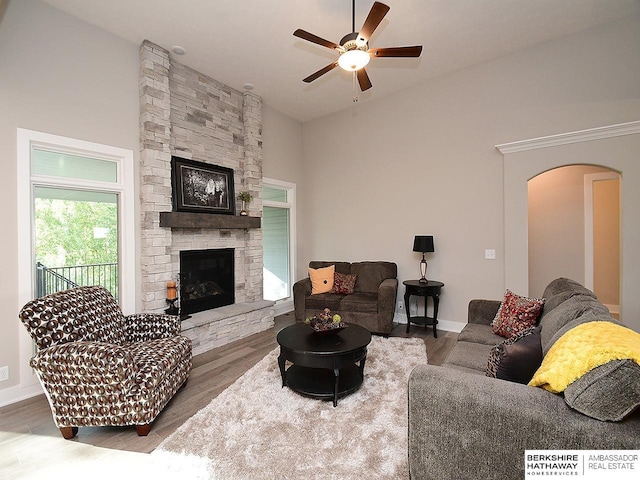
278	231
76	205
75	239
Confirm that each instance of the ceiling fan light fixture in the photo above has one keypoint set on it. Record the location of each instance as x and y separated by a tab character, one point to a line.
353	60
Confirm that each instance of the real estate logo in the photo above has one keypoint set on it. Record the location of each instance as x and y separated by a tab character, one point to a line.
583	464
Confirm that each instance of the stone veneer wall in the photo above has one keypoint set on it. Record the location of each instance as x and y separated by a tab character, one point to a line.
190	115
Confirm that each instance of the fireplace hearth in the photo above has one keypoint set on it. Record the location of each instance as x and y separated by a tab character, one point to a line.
207	279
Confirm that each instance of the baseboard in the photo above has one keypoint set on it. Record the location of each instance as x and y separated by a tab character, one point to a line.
444	325
18	393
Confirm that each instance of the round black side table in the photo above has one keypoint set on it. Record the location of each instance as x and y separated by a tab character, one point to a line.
431	288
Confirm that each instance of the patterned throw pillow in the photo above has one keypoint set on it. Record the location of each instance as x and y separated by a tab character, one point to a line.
321	279
516	313
343	283
517	358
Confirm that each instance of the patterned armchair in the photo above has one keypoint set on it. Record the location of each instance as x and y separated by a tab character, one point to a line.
99	367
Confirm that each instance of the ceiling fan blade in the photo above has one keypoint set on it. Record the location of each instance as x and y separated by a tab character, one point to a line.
363	80
310	37
320	72
376	14
396	51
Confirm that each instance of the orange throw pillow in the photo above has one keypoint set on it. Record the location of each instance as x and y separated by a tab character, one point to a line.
321	279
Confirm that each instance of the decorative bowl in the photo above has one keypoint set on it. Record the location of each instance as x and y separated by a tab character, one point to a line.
324	324
323	328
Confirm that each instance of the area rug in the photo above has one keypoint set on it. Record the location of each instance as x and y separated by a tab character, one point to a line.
256	429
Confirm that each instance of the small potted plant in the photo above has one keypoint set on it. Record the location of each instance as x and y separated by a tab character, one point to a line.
244	197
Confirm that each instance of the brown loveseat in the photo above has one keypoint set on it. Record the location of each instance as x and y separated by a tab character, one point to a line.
371	305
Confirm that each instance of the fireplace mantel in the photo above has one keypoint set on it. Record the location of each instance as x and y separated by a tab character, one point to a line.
207	220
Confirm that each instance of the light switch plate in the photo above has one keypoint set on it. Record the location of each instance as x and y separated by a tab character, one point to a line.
490	254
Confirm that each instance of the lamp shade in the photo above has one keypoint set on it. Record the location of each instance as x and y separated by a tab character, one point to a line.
423	243
353	60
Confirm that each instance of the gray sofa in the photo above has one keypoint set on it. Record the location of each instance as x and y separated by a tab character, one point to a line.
371	305
463	424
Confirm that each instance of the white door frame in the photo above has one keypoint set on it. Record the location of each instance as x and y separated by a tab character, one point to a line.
589	179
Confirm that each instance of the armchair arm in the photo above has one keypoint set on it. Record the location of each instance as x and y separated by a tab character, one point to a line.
387	292
483	311
85	363
301	290
455	415
142	327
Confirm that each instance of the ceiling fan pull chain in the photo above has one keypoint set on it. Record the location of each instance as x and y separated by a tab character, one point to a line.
355	88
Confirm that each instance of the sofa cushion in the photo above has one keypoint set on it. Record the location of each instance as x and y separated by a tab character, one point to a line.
560	290
587	316
343	283
609	392
371	274
80	314
324	300
516	313
563	285
342	267
517	358
567	311
469	355
156	359
482	311
360	302
477	333
322	279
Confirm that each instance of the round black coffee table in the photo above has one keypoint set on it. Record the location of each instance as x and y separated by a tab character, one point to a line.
324	366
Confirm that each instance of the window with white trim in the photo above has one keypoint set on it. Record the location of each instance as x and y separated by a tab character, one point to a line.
78	197
278	234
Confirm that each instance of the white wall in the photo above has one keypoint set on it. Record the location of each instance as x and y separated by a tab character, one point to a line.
423	160
62	76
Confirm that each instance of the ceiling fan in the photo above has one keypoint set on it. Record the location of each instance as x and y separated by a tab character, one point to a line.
354	47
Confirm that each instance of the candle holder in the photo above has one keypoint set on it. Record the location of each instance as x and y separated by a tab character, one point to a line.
172	310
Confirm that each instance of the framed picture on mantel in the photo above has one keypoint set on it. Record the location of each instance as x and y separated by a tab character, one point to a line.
202	187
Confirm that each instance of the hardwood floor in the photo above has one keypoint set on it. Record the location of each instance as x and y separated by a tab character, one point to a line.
27	426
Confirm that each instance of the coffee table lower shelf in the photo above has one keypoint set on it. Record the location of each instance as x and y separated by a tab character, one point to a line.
321	382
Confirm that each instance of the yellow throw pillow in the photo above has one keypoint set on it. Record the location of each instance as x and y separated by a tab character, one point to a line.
321	279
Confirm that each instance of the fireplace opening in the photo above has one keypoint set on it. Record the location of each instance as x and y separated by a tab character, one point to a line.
207	279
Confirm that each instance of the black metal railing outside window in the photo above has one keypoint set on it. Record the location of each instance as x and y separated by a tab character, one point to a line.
55	279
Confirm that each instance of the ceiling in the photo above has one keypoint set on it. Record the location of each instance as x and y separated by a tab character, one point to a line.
251	41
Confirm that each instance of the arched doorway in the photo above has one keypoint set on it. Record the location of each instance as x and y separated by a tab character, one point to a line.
574	229
616	147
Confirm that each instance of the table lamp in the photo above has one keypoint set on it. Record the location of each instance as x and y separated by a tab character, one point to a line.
424	244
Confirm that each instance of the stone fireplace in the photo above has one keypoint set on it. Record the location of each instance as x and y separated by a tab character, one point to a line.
190	115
